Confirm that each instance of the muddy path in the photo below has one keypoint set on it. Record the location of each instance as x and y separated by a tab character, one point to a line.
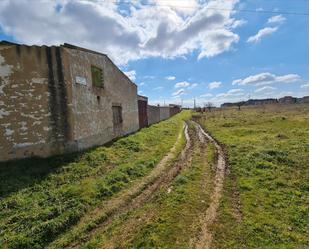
204	239
164	172
98	221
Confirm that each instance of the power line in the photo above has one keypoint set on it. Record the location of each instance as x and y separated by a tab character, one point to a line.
214	8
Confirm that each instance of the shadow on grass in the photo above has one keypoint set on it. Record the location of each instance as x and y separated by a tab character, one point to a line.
18	174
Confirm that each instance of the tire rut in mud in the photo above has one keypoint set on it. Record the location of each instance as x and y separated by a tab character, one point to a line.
204	239
139	195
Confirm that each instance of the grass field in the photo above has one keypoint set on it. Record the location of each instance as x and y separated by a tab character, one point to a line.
59	202
171	218
43	198
266	193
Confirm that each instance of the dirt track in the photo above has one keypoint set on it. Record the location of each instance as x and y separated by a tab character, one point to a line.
205	238
133	198
145	189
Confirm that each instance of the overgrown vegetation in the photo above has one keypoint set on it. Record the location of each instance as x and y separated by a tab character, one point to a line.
171	218
266	201
180	207
42	198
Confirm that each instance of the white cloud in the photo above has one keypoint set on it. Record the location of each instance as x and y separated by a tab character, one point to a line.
178	93
131	74
231	92
182	84
235	91
238	23
214	84
266	78
276	19
265	88
193	85
304	85
262	33
183	6
170	77
143	31
288	78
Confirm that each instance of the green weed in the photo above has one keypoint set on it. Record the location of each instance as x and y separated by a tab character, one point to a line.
269	169
43	198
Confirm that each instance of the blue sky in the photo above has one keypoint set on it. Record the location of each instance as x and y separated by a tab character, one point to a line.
177	51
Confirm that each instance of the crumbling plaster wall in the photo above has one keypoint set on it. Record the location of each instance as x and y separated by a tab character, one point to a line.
43	111
32	102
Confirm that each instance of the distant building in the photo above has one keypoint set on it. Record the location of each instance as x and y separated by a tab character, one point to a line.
288	100
303	99
284	100
251	102
228	104
260	102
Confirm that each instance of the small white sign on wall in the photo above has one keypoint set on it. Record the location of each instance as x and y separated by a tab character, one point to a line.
80	80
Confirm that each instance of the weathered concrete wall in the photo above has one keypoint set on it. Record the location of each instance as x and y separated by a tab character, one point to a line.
43	111
174	109
33	102
49	105
153	114
164	112
92	116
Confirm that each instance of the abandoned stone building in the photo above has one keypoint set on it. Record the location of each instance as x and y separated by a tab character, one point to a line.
62	99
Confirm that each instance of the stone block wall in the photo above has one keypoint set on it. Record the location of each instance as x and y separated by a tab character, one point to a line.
44	108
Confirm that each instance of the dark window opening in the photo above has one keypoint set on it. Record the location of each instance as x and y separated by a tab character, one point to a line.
98	99
97	76
117	115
